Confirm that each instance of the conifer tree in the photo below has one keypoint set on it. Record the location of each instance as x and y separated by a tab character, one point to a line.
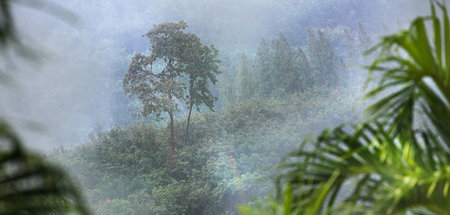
263	68
305	76
313	50
227	87
364	39
244	83
285	75
328	61
350	46
324	61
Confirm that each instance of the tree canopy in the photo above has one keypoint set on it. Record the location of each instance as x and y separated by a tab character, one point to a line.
159	80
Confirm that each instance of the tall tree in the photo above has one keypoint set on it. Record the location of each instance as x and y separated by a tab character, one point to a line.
227	88
324	60
244	82
178	70
330	62
285	74
350	46
364	39
312	48
156	79
263	68
305	77
202	70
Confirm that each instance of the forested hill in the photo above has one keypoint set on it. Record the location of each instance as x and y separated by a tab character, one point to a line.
268	103
128	170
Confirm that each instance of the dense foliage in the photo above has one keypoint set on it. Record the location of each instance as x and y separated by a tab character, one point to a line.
223	166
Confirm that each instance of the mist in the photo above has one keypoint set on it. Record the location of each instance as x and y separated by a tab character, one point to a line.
71	92
68	93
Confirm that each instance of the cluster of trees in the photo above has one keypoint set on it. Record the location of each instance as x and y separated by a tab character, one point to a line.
280	68
125	170
145	168
135	170
228	150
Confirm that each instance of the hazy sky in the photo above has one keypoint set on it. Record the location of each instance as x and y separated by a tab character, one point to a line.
73	89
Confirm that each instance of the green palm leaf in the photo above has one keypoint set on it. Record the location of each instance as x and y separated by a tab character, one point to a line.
388	174
418	81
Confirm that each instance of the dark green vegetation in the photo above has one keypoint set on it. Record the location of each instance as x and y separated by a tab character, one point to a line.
266	106
396	162
212	174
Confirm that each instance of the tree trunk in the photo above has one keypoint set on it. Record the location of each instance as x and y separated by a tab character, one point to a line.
188	122
172	135
171	109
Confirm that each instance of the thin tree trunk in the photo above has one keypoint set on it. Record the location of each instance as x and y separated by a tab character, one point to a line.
188	121
172	135
171	109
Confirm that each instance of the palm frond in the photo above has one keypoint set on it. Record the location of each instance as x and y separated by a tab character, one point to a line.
415	72
29	185
387	174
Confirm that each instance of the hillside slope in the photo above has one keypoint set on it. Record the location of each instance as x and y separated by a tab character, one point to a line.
128	170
